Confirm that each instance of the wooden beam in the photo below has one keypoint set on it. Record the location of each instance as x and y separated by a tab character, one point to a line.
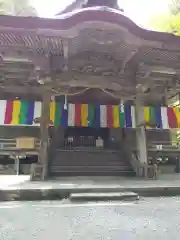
76	79
20	89
44	138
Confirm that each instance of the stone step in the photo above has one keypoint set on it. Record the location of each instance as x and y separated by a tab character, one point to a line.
90	163
104	196
90	173
93	167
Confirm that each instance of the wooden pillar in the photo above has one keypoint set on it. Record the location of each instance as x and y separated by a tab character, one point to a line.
165	98
140	132
44	135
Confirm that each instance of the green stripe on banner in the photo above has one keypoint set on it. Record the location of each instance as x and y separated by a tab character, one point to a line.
121	119
61	110
91	115
23	112
57	119
152	114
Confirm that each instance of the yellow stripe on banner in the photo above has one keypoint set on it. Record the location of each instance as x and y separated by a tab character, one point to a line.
177	113
16	112
147	115
116	114
52	111
84	115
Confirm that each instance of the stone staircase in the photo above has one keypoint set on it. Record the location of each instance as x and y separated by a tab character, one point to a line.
89	162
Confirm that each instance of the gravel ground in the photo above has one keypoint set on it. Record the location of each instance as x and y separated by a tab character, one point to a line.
151	218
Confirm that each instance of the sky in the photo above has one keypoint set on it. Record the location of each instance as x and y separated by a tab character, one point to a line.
139	11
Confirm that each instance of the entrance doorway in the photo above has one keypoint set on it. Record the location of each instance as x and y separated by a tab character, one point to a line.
85	136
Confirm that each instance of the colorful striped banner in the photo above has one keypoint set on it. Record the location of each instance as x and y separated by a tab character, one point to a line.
19	112
116	115
103	116
23	112
84	115
58	115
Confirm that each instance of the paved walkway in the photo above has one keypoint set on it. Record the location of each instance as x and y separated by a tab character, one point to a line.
150	219
23	182
20	188
7	181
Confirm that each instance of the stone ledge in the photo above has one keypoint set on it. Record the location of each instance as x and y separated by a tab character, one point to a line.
94	193
104	196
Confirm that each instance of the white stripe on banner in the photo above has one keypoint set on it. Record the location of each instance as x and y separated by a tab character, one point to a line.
71	115
133	116
103	116
2	111
37	111
164	117
122	108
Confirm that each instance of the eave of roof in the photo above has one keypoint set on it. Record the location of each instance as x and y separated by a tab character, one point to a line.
67	22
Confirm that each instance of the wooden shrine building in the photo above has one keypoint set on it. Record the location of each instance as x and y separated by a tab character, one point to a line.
93	82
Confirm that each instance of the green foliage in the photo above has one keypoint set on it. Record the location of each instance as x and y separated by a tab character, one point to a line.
174	7
17	8
167	23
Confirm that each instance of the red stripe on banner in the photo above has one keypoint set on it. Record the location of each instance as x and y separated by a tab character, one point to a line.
9	112
172	118
78	115
109	116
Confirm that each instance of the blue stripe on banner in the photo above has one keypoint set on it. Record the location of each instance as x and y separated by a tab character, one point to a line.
30	113
128	117
64	118
158	117
97	116
61	105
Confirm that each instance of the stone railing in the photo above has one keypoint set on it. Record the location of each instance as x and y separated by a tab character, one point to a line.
10	144
164	146
143	170
160	146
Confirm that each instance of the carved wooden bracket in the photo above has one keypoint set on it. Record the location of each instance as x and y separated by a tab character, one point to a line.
38	120
147	124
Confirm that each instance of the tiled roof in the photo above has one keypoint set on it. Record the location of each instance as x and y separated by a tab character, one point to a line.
42	26
85	30
28	41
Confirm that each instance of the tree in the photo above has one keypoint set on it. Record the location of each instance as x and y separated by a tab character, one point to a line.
17	8
169	22
166	23
174	7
